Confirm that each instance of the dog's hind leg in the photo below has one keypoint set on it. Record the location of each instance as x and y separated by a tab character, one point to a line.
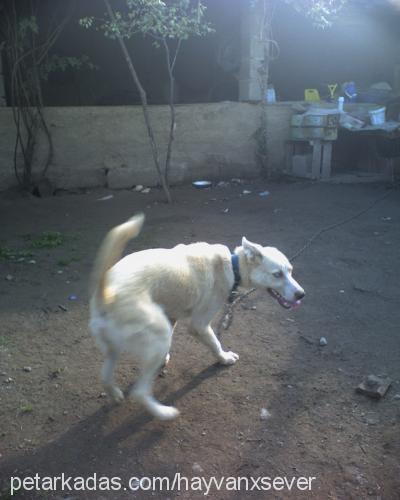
107	376
206	334
99	329
158	340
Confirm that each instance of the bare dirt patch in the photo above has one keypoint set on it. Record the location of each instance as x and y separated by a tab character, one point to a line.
54	418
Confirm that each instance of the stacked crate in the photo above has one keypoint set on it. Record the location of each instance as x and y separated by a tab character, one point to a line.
309	150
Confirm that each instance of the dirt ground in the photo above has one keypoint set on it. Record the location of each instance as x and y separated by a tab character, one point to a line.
55	419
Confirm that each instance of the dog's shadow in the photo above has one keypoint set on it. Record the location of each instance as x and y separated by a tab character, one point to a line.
74	452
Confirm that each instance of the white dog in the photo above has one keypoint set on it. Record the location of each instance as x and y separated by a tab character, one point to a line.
137	300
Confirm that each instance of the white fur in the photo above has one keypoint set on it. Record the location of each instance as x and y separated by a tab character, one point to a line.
137	301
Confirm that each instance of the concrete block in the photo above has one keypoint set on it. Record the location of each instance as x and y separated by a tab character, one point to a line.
374	387
111	162
127	177
179	172
7	179
74	178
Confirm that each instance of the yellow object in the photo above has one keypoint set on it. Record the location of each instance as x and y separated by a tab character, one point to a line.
311	95
332	89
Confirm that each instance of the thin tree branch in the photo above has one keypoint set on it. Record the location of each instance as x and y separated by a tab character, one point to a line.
143	98
170	67
178	46
26	94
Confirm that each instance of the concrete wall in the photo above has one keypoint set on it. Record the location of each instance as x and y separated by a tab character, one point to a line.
108	146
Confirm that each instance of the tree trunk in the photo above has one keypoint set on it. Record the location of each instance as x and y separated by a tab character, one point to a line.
171	138
143	99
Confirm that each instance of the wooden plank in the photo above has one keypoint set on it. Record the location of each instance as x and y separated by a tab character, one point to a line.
326	159
289	155
316	159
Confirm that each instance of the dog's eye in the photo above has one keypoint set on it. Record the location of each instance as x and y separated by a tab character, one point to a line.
278	274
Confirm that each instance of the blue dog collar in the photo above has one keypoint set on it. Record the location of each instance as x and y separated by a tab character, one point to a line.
236	272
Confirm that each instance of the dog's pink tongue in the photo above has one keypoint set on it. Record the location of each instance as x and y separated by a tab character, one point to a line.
287	304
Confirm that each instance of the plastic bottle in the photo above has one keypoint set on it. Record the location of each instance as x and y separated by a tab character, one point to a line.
340	104
271	96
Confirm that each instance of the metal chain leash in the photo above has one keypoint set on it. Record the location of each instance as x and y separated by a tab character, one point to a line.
226	319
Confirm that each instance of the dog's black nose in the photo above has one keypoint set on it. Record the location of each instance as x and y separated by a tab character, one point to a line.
299	295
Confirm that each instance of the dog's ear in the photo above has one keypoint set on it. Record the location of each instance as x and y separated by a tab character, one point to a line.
252	251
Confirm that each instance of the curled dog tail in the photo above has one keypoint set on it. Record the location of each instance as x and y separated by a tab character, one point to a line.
109	254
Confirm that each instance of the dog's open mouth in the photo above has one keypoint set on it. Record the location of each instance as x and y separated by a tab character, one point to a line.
287	304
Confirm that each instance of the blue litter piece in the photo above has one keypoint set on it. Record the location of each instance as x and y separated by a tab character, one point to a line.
264	193
72	297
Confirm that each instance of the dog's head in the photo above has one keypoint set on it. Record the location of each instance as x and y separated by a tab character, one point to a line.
267	268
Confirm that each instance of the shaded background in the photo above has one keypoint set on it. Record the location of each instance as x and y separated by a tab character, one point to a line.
363	45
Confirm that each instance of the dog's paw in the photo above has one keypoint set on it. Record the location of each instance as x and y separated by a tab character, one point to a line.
228	358
116	395
166	412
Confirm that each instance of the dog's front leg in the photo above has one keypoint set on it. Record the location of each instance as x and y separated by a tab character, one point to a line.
168	356
208	337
